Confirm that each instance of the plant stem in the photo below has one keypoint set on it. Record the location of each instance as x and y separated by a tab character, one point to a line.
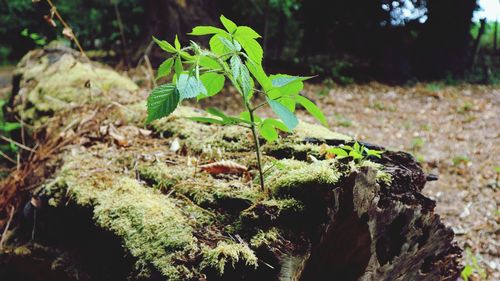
257	148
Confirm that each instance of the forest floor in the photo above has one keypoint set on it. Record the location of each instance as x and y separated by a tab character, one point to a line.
453	131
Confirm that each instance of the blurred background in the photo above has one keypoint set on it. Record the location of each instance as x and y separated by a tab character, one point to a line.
346	41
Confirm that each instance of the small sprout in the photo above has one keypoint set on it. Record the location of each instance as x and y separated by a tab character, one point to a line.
461	159
358	152
417	143
465	107
472	266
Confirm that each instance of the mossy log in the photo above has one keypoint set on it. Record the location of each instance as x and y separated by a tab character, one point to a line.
120	201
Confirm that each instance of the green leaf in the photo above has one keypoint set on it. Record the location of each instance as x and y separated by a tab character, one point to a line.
245	31
216	112
164	45
246	82
206	30
231	46
177	44
228	24
281	80
312	109
9	127
372	152
178	66
236	64
165	68
355	154
206	120
189	87
284	114
209	63
338	151
277	124
213	82
268	131
252	48
219	48
245	115
356	147
259	74
162	102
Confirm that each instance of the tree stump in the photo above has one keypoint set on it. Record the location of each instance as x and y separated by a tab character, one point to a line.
104	198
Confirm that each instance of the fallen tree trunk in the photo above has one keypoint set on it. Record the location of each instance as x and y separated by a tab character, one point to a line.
116	201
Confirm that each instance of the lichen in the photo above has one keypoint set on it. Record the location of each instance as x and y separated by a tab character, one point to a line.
151	226
228	252
265	238
68	82
307	130
296	176
381	176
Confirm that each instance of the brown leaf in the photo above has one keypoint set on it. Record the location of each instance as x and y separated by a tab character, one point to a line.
49	20
68	33
224	167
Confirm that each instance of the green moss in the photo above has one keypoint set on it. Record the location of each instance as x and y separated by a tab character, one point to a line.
62	84
381	176
228	253
294	176
307	130
265	238
152	227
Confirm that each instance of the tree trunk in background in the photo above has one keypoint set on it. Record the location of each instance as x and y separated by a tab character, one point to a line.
477	43
168	18
445	40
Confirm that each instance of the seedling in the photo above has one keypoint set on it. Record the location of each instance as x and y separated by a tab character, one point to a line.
472	266
236	56
358	152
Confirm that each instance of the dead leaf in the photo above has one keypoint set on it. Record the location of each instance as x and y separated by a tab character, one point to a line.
117	137
49	20
175	146
68	33
145	132
224	167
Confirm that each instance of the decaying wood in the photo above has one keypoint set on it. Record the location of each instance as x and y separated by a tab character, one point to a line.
116	201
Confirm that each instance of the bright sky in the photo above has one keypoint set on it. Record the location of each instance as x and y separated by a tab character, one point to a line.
490	9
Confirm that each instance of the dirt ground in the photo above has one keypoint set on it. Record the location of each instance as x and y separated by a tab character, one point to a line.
454	132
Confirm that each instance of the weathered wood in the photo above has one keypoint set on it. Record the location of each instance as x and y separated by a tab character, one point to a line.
114	202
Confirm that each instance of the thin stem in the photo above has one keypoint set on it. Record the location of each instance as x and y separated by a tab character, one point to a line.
54	8
257	149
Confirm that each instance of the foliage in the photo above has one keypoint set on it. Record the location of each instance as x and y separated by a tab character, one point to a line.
6	128
94	23
471	266
234	55
358	152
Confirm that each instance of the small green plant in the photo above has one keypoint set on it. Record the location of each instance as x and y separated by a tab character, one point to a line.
461	159
234	55
471	266
6	128
417	143
433	87
465	107
358	152
38	39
